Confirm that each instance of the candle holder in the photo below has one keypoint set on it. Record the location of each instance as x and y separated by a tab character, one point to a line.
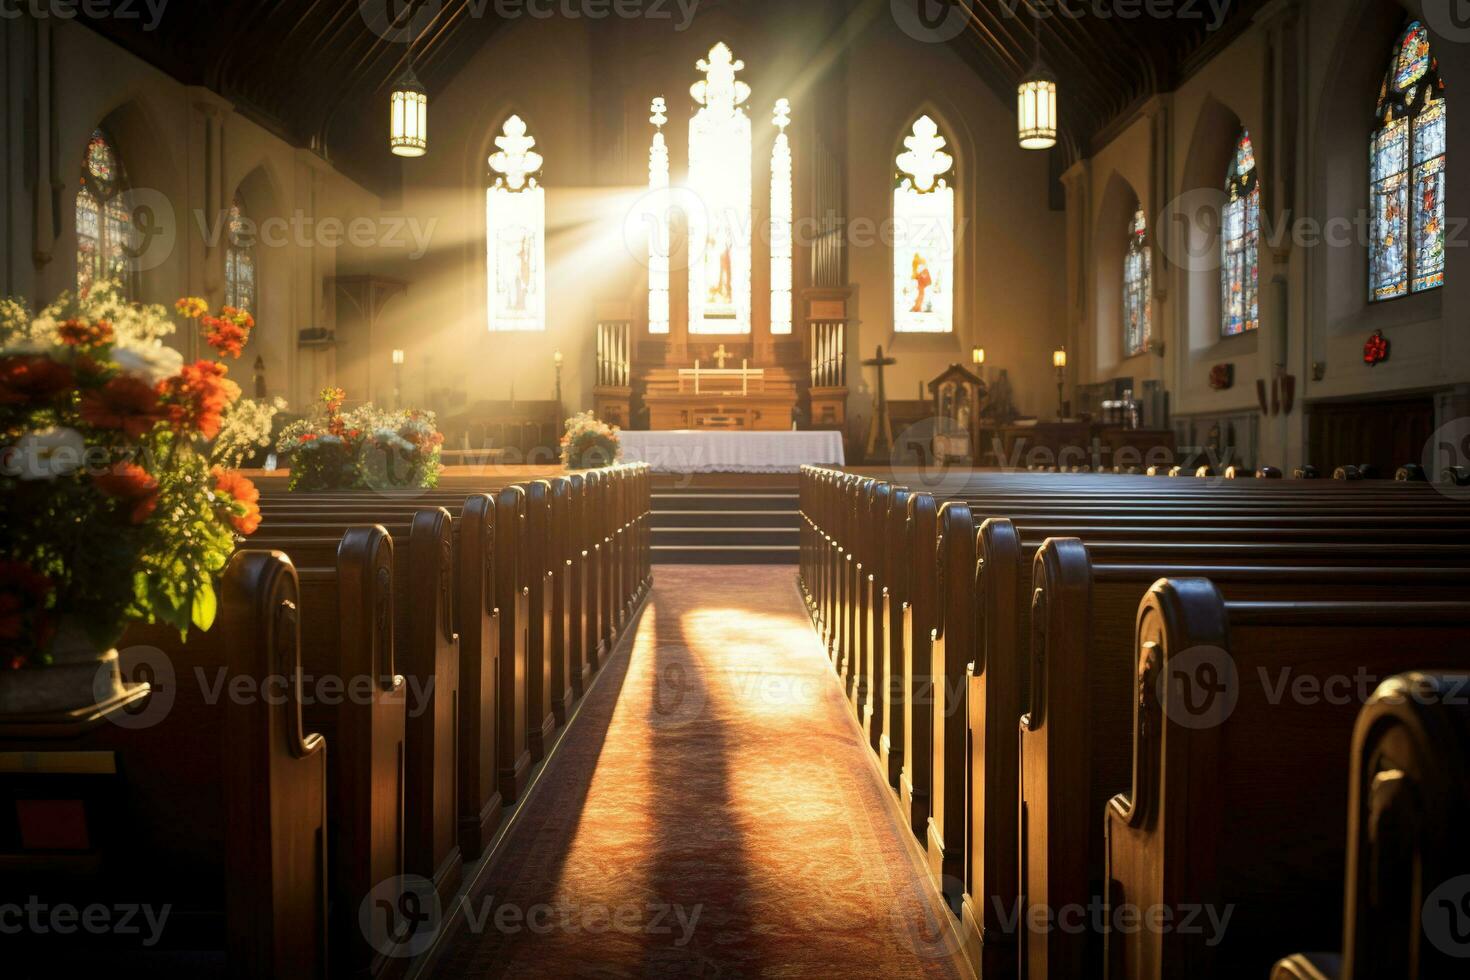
1059	361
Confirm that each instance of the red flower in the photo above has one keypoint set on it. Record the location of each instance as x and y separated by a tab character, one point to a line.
28	379
196	397
125	403
133	488
243	509
1375	351
24	623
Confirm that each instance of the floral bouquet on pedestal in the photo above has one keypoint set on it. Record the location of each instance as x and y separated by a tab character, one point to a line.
112	510
590	443
362	448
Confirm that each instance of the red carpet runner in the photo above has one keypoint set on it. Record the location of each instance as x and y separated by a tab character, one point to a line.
731	826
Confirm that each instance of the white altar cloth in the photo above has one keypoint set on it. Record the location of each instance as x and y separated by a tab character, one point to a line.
720	451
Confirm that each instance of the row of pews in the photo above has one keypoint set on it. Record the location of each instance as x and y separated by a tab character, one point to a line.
384	675
1164	728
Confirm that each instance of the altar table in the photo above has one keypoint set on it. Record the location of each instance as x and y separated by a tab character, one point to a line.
718	451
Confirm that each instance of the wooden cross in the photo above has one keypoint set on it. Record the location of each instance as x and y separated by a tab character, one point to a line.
721	355
880	432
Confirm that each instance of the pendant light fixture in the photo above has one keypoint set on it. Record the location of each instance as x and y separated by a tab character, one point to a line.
1036	103
408	126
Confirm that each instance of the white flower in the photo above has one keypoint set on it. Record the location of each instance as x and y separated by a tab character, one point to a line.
44	454
153	363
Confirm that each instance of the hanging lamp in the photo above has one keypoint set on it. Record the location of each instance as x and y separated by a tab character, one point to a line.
1036	104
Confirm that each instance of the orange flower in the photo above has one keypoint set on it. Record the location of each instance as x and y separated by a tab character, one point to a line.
243	509
133	488
28	379
196	397
240	318
225	336
125	403
192	307
80	333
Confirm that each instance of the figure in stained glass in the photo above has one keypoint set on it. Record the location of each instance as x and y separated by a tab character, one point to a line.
1407	173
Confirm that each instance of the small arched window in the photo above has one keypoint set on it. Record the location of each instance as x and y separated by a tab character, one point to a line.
104	225
1408	173
923	233
240	279
1240	232
1137	287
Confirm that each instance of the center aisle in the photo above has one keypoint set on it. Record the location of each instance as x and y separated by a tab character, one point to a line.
733	824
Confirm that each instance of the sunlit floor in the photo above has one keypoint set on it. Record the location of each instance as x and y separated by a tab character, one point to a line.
711	813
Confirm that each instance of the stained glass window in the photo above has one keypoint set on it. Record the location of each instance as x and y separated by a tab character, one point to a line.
1137	285
781	240
240	281
923	233
1407	173
1240	232
104	225
720	182
659	237
515	223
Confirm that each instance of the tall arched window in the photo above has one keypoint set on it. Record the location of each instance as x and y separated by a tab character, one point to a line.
923	233
1408	171
719	177
515	223
1137	286
1240	232
104	226
240	280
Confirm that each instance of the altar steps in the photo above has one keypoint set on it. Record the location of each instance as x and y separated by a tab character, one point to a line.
721	526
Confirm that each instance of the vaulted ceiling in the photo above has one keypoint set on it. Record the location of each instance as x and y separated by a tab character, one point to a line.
316	72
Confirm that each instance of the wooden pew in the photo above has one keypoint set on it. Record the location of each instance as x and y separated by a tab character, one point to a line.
540	690
1003	612
1229	814
427	652
1076	723
208	807
1408	802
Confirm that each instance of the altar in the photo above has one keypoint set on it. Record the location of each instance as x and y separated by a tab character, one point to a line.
723	451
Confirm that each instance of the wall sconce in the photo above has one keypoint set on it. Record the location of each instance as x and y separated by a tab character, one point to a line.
977	355
556	359
398	357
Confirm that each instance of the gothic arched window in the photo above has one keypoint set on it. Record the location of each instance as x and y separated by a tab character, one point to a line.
515	226
719	177
1137	286
240	279
923	233
1240	232
1408	173
104	226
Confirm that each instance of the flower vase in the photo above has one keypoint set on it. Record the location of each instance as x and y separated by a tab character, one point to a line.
78	677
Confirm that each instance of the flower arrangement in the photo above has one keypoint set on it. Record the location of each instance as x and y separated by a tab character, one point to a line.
590	443
365	447
245	429
112	509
